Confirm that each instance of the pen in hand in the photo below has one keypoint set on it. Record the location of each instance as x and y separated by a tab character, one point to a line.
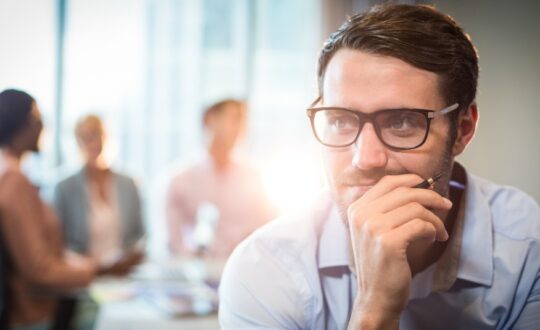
428	182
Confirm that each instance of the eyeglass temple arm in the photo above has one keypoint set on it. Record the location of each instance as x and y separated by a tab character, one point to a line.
443	111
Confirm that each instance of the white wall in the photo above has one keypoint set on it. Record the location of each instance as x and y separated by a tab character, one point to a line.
28	62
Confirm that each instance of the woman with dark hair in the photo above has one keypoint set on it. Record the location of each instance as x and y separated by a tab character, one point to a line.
36	266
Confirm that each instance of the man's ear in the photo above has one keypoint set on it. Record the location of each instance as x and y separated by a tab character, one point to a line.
466	127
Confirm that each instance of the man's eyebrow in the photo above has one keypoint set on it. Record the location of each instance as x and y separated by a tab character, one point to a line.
403	107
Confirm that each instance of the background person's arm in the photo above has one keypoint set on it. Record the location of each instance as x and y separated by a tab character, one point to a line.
133	230
26	240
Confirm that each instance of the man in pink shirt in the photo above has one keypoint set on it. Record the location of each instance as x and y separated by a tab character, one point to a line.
216	202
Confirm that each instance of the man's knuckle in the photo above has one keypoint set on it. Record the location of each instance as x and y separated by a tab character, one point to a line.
386	242
370	228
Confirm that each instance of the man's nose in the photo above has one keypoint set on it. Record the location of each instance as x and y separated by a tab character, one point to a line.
369	151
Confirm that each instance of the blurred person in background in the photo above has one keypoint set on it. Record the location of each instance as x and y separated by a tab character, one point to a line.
99	208
37	267
216	202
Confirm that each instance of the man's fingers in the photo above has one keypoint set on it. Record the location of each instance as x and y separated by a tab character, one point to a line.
391	182
411	211
404	195
382	223
411	231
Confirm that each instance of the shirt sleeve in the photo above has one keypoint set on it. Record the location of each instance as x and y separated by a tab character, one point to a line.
31	253
258	292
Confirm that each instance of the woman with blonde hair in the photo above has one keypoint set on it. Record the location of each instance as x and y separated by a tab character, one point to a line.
100	209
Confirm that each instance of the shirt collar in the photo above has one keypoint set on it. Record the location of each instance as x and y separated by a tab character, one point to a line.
333	242
446	270
469	254
476	257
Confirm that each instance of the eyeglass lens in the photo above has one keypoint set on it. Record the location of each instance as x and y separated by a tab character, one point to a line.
397	128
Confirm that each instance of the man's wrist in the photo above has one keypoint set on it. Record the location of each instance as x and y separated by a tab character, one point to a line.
366	317
375	322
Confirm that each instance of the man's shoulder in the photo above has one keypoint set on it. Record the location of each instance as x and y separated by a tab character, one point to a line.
514	213
271	278
295	230
291	238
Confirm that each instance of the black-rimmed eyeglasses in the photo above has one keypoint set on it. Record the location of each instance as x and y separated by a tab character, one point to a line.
401	129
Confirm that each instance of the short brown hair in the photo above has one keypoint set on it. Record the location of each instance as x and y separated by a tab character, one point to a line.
417	34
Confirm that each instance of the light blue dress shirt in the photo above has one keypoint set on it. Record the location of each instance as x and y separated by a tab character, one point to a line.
294	272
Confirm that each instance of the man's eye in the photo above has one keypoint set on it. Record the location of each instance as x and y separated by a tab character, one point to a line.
404	122
398	123
337	122
341	122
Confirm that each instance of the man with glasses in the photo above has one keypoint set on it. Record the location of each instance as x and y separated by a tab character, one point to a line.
397	90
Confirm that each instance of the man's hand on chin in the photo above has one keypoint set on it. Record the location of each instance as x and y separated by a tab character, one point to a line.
383	223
